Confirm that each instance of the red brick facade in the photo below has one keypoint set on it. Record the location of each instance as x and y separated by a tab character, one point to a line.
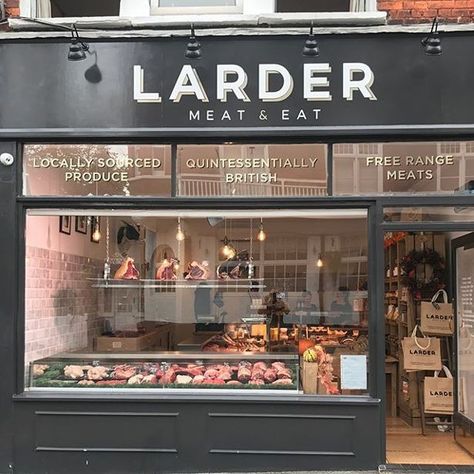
399	11
13	7
418	11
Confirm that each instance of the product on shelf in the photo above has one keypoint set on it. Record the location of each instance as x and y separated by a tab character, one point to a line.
198	271
235	267
227	343
127	270
167	269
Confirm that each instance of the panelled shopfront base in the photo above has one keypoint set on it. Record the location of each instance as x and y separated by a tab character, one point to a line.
195	435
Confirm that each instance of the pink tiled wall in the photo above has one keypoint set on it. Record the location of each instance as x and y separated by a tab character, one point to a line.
61	307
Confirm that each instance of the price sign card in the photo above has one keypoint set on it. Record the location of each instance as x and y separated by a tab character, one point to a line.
354	372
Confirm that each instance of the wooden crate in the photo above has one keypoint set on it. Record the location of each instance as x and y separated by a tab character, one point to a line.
155	338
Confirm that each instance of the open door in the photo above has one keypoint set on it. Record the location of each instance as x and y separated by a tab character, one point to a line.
463	262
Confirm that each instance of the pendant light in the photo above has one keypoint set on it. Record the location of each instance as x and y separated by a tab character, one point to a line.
77	48
432	43
179	231
193	48
261	233
228	250
95	229
311	48
320	262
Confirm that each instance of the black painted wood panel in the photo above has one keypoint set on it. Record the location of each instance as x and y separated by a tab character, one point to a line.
194	436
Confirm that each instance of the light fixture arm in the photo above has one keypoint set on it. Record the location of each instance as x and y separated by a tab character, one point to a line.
75	35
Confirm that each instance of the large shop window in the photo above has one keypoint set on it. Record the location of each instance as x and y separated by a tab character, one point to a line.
199	300
408	167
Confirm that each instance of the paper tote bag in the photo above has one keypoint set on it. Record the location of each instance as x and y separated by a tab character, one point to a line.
437	318
439	393
421	353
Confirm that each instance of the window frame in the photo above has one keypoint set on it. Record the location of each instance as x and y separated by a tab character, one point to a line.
155	9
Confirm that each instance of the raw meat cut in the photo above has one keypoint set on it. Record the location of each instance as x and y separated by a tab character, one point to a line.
270	375
282	382
168	377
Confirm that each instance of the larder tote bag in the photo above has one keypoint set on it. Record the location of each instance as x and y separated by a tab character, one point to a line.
421	353
438	393
437	318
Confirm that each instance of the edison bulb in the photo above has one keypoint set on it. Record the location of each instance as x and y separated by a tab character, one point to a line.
319	263
180	234
96	235
226	250
261	235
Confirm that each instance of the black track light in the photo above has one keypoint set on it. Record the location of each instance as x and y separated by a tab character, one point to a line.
432	43
311	48
77	48
193	48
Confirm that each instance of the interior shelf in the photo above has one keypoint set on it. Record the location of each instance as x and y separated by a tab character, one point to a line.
253	284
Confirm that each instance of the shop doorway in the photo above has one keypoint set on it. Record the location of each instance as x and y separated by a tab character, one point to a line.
429	283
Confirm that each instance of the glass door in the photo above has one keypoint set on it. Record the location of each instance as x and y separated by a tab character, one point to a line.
463	259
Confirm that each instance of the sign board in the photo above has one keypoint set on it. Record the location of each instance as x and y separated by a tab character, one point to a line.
244	86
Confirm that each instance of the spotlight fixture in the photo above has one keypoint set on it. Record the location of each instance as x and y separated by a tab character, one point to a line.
193	48
432	43
261	233
179	232
320	262
311	48
77	48
95	229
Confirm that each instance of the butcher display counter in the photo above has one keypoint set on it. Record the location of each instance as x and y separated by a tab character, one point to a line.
171	370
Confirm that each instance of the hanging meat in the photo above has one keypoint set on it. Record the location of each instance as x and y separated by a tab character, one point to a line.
198	271
127	270
166	270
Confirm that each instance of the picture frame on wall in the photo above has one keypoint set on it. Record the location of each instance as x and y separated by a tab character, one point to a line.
65	224
81	224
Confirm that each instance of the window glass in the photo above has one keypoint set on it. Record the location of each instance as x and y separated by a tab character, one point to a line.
252	170
290	6
159	7
408	167
68	8
96	170
429	214
193	300
196	3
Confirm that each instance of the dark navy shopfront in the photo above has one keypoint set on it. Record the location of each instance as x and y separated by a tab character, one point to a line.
195	252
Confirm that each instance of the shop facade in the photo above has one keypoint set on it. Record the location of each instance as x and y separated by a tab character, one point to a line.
129	176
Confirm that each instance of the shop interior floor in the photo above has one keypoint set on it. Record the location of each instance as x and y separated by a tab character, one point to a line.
406	445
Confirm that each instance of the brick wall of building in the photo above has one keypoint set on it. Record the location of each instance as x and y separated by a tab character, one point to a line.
12	7
418	11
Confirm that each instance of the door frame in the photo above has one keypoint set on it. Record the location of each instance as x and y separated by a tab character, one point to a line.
420	226
460	421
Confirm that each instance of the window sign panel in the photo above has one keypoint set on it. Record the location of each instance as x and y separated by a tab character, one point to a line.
410	167
96	170
252	170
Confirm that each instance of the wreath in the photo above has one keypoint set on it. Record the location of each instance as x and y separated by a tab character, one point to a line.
423	286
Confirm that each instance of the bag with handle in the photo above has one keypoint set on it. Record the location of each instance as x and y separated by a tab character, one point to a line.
438	393
437	318
421	353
